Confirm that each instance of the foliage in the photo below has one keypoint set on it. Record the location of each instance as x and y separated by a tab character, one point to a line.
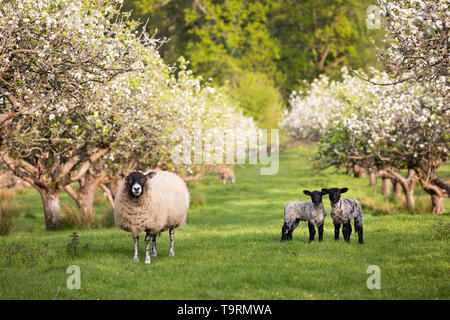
257	96
416	43
311	110
84	93
285	40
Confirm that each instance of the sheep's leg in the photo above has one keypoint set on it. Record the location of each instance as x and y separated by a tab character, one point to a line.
320	229
287	229
148	260
172	250
347	231
337	228
154	251
136	247
359	230
312	231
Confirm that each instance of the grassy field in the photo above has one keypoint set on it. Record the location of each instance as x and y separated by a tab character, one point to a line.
230	247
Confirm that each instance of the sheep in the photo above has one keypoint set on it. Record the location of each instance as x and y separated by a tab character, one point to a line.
152	202
226	174
343	211
314	212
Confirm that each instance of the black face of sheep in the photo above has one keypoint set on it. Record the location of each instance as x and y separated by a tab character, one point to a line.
135	182
316	196
335	193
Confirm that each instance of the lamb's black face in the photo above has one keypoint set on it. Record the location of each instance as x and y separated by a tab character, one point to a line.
316	196
335	194
135	182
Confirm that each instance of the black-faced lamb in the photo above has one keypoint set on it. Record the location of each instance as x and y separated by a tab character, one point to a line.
343	211
152	202
314	212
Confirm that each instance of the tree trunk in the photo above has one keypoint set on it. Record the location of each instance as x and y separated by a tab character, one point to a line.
385	186
407	183
409	195
438	204
52	209
397	188
436	188
84	196
85	204
372	177
359	172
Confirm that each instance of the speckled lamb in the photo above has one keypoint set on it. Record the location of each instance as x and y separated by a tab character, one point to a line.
343	211
314	212
152	202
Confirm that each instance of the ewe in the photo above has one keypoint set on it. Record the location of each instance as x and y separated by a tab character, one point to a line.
152	202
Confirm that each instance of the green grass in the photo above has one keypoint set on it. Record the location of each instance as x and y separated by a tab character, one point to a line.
230	247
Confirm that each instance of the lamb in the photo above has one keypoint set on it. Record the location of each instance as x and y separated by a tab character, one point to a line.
226	174
343	211
314	212
151	202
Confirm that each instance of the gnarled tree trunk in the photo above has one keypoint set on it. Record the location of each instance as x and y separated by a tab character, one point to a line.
407	184
84	196
397	188
436	193
52	209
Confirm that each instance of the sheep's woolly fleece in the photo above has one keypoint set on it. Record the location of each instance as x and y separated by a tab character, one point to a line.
345	210
226	173
163	205
304	211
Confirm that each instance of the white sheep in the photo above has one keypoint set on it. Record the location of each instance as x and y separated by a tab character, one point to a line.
314	212
226	174
152	202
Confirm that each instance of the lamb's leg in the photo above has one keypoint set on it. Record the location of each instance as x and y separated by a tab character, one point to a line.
320	228
359	229
154	251
136	247
148	260
337	228
347	231
287	229
172	250
312	231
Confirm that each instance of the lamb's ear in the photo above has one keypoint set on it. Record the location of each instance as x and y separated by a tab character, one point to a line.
324	191
308	193
121	176
151	174
344	190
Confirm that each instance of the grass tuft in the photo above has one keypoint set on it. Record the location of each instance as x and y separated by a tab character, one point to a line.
73	219
8	213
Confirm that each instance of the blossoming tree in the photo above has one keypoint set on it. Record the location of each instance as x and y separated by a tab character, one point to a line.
54	58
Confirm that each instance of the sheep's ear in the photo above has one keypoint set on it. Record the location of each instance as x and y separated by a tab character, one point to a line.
344	190
324	191
121	176
151	174
308	193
